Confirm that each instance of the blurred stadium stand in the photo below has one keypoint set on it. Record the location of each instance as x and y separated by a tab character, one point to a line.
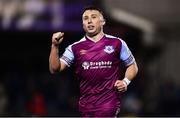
150	28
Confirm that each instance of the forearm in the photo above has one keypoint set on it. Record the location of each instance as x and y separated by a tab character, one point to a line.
131	71
54	62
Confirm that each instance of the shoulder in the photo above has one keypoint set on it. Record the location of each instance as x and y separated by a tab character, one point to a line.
77	42
110	37
80	41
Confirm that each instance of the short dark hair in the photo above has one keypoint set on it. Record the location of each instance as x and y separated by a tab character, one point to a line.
92	8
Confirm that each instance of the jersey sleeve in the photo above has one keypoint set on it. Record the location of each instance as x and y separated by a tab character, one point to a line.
126	55
68	56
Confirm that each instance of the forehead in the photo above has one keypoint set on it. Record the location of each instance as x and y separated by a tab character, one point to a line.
90	12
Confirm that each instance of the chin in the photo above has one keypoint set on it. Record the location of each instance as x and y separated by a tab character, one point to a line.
91	33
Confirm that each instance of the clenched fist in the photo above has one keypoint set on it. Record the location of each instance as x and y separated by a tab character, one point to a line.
120	85
57	38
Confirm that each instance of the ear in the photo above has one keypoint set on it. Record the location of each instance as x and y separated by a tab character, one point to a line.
103	22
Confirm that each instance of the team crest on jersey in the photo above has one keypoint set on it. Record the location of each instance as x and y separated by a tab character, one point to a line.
109	49
85	65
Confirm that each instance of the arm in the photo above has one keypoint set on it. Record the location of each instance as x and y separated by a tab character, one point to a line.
55	65
131	70
130	73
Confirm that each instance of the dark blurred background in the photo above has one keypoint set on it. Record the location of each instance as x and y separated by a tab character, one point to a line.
150	29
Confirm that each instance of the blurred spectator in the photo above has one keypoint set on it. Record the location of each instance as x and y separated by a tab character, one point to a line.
132	104
31	14
36	106
9	11
32	9
57	13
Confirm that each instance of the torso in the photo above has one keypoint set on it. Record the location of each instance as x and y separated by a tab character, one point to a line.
97	67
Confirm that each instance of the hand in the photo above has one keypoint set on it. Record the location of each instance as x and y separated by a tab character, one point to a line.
57	38
120	85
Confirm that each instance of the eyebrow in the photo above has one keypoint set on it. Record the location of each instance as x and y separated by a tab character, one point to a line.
94	14
91	15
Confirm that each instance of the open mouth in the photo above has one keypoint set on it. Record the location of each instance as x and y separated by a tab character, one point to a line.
90	27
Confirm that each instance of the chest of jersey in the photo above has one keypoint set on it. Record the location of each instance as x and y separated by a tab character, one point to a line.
104	50
94	56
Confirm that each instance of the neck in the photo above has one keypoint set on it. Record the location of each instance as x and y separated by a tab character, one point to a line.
96	37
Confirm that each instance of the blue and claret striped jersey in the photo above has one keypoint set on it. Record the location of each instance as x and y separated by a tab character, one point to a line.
97	65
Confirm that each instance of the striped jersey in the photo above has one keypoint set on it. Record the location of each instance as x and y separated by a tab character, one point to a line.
97	65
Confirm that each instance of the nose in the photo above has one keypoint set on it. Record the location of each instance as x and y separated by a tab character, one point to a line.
89	20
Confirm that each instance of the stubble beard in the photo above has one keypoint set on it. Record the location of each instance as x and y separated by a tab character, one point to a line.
92	34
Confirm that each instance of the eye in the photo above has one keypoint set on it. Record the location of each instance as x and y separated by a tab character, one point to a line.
94	16
85	18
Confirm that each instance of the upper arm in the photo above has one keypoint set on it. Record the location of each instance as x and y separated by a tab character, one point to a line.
125	55
133	66
63	65
67	58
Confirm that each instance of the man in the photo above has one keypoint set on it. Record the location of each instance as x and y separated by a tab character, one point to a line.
96	58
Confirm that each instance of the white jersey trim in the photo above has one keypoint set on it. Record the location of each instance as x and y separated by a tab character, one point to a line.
125	54
68	56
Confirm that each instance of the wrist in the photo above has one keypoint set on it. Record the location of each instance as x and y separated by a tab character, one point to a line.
126	81
55	45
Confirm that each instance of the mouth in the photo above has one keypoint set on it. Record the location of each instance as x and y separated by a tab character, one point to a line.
90	27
